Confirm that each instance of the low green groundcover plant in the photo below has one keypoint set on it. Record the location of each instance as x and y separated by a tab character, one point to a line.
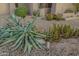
24	37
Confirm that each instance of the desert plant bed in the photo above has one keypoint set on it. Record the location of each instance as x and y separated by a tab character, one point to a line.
63	39
57	32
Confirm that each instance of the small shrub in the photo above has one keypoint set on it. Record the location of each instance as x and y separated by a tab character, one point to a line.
54	17
21	11
49	16
68	11
58	17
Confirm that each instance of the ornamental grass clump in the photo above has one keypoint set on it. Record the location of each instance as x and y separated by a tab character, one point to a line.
24	37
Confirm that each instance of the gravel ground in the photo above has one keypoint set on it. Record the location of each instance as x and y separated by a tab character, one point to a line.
66	47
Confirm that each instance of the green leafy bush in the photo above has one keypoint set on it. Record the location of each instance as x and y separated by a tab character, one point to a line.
68	11
58	17
54	17
21	11
25	37
49	16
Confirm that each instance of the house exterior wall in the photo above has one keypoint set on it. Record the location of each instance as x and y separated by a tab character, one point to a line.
35	6
61	7
9	8
53	8
4	8
12	8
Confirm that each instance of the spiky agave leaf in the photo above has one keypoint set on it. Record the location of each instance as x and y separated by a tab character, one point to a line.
23	37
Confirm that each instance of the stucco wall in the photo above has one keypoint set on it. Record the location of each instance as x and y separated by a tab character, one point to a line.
61	7
35	6
4	8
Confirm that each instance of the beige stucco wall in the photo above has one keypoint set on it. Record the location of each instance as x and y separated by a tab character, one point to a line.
35	6
4	8
11	8
61	7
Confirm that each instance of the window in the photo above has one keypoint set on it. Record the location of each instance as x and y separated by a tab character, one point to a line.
16	5
49	5
42	5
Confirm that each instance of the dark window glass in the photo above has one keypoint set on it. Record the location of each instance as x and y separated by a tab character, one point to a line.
49	5
16	4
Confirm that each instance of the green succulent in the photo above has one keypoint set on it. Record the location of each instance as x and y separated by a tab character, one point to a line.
57	32
68	31
21	11
76	33
49	16
68	11
25	37
57	17
54	33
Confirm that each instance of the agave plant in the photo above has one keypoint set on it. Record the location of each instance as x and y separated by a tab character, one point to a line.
56	32
53	34
68	31
76	33
25	37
